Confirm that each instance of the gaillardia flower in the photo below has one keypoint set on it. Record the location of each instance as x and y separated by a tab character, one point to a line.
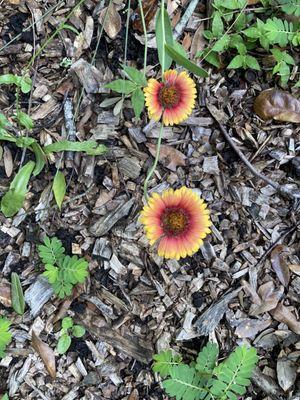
174	98
177	221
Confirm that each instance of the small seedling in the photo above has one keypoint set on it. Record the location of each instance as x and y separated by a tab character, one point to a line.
5	335
68	330
205	378
62	272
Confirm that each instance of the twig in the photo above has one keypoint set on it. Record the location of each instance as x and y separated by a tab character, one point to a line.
70	127
275	185
184	20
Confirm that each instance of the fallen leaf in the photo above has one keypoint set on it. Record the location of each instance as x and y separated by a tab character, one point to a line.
187	41
113	22
249	327
168	156
199	42
5	295
278	105
8	161
286	371
149	10
269	298
284	315
279	263
46	354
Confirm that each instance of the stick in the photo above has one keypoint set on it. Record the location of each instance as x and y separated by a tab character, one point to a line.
275	185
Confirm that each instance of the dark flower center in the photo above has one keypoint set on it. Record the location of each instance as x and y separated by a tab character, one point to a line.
168	96
174	221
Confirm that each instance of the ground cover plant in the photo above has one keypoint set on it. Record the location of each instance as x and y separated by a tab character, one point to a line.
149	185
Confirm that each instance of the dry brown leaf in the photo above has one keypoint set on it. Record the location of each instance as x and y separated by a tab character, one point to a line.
113	22
269	298
46	354
249	328
278	105
286	371
169	157
279	263
5	297
187	41
149	9
198	42
8	161
284	315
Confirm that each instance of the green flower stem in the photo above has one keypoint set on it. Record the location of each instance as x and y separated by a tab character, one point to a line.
150	173
145	34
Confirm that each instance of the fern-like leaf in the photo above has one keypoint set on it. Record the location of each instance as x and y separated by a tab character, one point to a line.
52	251
207	358
184	383
74	269
233	374
164	360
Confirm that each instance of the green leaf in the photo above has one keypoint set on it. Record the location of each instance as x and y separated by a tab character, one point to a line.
7	136
217	24
59	188
241	48
252	33
236	62
40	158
5	335
207	358
78	331
24	120
163	37
209	56
51	273
164	361
4	122
221	44
63	344
67	323
70	28
52	251
9	79
17	295
184	62
121	86
180	49
5	397
135	75
251	62
138	101
24	142
291	7
90	147
25	84
13	199
109	101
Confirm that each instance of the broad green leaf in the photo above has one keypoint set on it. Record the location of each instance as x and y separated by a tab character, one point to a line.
67	323
13	199
138	101
109	101
59	188
221	44
4	122
251	62
78	331
90	147
9	79
5	335
40	158
180	49
135	75
217	25
184	62
241	48
17	295
163	37
121	86
24	120
252	33
25	84
236	62
24	141
63	344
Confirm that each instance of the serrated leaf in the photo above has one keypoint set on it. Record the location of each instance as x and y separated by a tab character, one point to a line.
163	37
138	101
59	188
221	44
184	62
90	147
63	344
17	296
236	62
217	25
135	75
164	361
207	358
13	199
51	273
52	251
121	86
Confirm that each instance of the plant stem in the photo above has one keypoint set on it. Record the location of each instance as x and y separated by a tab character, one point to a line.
145	34
126	33
150	173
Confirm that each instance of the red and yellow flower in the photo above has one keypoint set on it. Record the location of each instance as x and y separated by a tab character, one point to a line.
173	99
177	221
